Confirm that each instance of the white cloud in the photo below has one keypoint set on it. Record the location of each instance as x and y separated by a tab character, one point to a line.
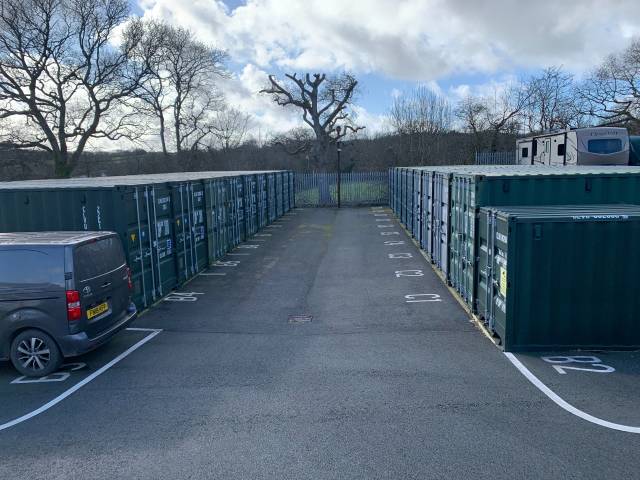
423	41
375	123
419	40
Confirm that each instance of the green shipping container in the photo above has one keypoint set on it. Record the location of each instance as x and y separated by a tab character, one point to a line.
172	225
142	214
495	186
562	278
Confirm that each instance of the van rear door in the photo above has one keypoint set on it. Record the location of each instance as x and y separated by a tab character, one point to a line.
100	271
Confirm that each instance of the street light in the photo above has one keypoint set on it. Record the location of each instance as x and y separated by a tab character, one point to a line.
339	150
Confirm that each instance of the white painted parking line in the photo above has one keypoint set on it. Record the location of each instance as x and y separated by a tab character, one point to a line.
558	400
85	381
213	274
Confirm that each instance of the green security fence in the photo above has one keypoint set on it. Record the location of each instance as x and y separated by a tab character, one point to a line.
354	189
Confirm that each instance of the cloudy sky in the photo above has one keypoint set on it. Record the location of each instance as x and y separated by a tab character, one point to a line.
454	46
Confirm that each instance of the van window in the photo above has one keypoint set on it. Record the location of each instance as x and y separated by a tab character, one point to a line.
32	266
604	145
97	258
525	152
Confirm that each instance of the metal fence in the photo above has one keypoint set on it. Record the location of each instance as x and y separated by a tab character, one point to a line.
496	158
360	188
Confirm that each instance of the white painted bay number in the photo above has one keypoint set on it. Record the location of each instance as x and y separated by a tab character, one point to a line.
182	297
422	297
562	363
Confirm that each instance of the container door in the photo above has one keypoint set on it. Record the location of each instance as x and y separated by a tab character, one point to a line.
470	252
444	226
185	260
498	305
139	248
240	209
211	220
279	190
453	253
484	265
415	230
221	212
271	196
429	212
198	227
163	238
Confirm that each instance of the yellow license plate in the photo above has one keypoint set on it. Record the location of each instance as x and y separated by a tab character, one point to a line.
95	311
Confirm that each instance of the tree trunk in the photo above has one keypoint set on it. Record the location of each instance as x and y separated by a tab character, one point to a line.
178	139
321	153
63	164
163	140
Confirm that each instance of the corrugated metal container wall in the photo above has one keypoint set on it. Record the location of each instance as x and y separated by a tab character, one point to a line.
558	278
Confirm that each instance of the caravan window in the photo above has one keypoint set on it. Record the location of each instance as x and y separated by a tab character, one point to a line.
604	145
561	149
525	152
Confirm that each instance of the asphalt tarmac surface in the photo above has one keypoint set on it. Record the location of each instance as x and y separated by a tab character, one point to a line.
324	348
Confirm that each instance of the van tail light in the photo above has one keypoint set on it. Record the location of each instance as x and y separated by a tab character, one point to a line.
74	312
129	278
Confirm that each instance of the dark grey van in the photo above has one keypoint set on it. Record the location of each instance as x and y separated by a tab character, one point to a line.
61	294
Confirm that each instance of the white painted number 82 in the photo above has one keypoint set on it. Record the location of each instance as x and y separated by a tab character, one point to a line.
560	362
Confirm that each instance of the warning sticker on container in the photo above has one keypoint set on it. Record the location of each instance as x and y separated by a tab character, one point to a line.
503	282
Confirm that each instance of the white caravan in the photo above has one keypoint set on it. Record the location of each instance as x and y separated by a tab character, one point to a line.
581	146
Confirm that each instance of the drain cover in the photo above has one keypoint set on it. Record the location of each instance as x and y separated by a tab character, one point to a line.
300	318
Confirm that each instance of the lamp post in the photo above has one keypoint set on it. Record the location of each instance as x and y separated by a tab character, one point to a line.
339	150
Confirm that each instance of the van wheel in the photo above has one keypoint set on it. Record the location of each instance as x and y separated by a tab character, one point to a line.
35	354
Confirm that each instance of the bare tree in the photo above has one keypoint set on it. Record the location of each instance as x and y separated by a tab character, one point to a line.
296	141
326	107
197	119
61	78
496	114
182	85
552	101
612	92
230	127
419	117
421	112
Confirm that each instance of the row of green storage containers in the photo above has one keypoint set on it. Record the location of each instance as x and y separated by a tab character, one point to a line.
447	210
172	226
